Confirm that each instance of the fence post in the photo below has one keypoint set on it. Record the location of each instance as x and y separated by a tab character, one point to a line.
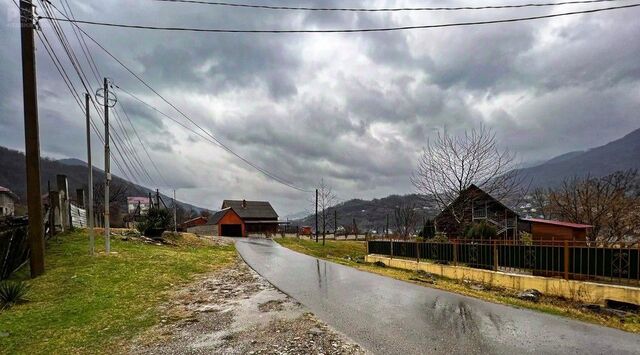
455	253
495	255
566	260
367	243
391	241
418	251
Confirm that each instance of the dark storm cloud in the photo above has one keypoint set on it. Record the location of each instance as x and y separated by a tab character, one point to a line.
353	108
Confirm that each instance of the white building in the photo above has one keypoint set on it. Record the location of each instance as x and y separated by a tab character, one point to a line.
7	202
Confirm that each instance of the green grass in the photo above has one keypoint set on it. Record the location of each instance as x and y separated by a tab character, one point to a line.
337	251
85	304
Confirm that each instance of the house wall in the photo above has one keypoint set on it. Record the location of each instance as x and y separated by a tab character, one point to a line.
7	205
232	218
542	231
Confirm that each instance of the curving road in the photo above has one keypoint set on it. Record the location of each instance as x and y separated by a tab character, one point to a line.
388	316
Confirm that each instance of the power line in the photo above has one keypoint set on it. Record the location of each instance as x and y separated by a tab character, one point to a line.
215	140
142	143
374	29
383	9
59	32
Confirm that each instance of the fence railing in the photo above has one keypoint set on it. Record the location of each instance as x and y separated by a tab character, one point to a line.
14	245
580	260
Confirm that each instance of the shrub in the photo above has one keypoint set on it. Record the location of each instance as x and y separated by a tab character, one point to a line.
428	229
157	219
12	292
481	230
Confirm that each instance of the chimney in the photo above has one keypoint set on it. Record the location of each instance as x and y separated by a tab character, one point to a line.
244	203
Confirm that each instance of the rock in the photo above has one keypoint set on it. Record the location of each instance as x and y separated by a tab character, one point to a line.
477	287
592	307
531	295
615	312
315	331
379	263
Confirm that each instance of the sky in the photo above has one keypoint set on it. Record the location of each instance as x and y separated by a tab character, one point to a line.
353	109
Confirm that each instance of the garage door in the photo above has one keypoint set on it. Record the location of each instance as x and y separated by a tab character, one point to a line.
231	230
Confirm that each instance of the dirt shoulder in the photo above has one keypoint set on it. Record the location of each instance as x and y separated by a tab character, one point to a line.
235	311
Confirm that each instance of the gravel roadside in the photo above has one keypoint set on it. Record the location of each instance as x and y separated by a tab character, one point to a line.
236	311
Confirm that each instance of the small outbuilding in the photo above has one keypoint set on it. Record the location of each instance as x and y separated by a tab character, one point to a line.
543	229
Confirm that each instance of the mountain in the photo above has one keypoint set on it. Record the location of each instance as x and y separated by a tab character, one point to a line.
72	162
372	214
621	154
13	176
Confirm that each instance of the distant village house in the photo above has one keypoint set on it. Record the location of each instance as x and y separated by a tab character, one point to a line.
7	202
240	218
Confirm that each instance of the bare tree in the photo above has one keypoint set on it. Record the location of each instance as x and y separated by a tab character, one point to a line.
610	204
405	218
450	164
326	200
117	196
540	201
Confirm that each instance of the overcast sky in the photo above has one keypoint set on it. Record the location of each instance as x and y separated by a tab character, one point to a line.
354	109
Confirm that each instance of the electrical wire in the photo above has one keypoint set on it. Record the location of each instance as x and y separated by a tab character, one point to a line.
354	30
383	9
214	139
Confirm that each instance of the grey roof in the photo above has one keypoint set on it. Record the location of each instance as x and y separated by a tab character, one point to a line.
216	217
254	209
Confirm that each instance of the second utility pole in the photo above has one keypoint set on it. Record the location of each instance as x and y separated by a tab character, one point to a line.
316	215
107	170
92	242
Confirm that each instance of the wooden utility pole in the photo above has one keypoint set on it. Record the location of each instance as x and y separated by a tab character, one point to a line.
175	213
92	242
107	170
316	215
31	139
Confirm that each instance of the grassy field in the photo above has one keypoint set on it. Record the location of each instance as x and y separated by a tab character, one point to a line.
85	304
351	253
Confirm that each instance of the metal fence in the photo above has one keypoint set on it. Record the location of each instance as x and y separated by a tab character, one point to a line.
14	245
580	260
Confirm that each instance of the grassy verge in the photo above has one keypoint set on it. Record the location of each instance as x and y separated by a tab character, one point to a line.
86	304
351	253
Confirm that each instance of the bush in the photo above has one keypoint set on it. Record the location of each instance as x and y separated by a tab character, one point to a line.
481	230
156	220
439	238
428	229
12	292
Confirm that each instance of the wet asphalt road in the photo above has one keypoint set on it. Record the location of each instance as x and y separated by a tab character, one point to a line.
388	316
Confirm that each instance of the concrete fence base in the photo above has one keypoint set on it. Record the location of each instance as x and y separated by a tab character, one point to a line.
581	291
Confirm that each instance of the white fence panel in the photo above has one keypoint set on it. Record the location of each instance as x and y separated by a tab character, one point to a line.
78	217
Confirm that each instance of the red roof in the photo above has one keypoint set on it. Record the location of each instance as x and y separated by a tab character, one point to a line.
558	223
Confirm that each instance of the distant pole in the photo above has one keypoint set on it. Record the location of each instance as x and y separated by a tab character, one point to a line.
92	242
175	213
335	224
157	198
316	215
31	139
107	170
386	232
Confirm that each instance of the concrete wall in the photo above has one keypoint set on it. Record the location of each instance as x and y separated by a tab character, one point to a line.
588	292
205	229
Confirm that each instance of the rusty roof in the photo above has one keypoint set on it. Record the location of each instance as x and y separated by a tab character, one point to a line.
558	223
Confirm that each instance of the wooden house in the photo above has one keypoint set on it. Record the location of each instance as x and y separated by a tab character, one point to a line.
472	206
